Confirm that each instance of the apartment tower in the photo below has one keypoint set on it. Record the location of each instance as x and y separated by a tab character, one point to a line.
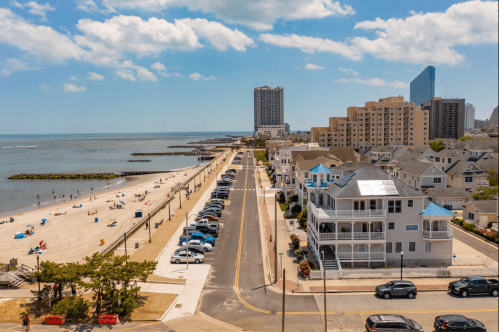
269	107
390	121
446	117
469	117
423	86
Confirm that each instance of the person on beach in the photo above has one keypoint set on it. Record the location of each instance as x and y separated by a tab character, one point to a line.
147	224
71	196
26	322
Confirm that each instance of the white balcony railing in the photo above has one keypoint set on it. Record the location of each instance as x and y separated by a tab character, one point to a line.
352	236
366	256
326	212
378	256
482	183
438	234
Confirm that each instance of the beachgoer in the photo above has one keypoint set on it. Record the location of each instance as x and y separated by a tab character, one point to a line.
78	192
147	224
38	204
26	322
41	242
71	196
90	198
114	204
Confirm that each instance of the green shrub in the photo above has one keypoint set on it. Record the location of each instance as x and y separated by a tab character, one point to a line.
489	225
293	198
73	307
296	209
299	253
469	227
284	206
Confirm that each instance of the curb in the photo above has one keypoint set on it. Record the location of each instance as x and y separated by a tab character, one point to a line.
219	322
159	282
334	291
474	235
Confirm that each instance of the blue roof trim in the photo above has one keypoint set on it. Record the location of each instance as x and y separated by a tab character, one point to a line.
320	169
435	210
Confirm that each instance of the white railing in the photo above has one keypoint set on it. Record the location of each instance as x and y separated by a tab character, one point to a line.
377	236
438	234
327	236
352	236
360	255
482	182
360	235
344	255
346	235
378	256
422	272
345	214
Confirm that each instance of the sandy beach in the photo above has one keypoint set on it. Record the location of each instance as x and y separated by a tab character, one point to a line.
75	234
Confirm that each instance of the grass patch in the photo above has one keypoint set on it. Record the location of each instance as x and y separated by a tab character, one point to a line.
284	206
260	156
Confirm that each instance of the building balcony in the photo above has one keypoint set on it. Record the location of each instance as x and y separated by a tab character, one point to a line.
310	183
438	235
482	183
362	236
325	212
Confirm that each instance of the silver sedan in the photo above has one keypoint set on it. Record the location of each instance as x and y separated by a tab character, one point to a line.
182	257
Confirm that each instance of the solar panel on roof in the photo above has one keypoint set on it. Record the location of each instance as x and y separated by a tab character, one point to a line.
344	180
377	188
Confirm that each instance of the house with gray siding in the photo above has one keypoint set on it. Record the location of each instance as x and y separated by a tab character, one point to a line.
450	198
422	175
367	218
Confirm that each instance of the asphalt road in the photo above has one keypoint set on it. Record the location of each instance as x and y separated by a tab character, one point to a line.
478	244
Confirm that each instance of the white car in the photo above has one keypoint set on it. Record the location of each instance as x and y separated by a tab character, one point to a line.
198	244
182	258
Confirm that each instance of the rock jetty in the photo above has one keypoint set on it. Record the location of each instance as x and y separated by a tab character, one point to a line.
177	153
139	161
64	176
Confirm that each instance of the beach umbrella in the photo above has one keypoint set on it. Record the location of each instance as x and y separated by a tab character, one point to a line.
30	225
44	219
59	208
122	202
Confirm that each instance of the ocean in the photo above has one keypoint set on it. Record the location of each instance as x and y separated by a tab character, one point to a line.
82	153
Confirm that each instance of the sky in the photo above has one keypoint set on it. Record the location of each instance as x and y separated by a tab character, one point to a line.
117	66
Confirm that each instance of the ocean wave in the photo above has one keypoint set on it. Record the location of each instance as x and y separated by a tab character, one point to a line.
26	146
6	147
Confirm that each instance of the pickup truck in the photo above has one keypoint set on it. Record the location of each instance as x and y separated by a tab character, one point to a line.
474	285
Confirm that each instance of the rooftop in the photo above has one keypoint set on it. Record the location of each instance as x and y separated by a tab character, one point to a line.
435	210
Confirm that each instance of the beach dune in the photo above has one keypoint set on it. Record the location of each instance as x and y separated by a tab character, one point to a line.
75	234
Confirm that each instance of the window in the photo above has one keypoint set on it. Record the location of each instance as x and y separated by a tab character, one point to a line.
410	203
449	160
471	216
427	247
437	180
437	159
391	225
388	247
292	168
306	174
395	206
411	227
468	179
412	246
398	246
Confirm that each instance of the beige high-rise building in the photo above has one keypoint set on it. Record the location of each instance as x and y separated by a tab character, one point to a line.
390	121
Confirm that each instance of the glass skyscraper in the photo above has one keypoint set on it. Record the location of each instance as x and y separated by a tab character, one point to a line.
469	117
423	86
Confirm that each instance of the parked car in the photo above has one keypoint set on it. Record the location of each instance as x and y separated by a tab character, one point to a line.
221	189
205	222
474	285
382	323
199	245
198	236
457	323
215	205
182	257
221	195
397	288
224	183
207	229
194	250
236	162
249	157
233	171
218	201
212	208
212	212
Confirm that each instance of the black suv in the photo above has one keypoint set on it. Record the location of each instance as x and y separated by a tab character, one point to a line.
207	230
382	323
397	288
457	323
220	194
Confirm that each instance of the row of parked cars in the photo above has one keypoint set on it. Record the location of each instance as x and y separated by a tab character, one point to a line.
471	285
200	236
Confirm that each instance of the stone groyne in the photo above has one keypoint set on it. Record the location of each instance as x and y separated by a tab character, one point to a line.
181	153
64	176
139	161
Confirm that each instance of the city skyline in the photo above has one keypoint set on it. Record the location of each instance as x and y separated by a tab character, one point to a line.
95	66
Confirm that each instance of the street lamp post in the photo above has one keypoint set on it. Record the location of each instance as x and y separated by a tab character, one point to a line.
263	195
180	198
149	228
187	240
281	263
169	211
38	276
124	235
401	263
325	310
275	238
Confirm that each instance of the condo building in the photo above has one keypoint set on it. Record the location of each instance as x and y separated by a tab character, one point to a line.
446	117
423	86
390	121
469	117
268	107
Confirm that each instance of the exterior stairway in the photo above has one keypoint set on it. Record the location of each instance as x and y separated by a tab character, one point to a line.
330	257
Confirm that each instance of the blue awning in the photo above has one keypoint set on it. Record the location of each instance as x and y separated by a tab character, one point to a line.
435	210
320	169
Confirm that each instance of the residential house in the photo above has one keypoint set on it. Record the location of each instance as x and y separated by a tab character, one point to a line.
422	175
425	151
368	218
467	175
446	158
450	198
480	213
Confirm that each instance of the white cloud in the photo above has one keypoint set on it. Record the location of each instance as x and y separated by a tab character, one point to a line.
259	14
126	68
313	67
158	66
430	37
73	88
45	87
197	77
87	5
126	74
312	44
219	35
375	82
95	77
348	70
36	9
11	65
40	41
73	78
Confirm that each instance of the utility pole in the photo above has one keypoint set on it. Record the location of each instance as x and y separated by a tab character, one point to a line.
169	211
275	238
126	260
283	297
180	198
149	228
187	240
325	310
38	277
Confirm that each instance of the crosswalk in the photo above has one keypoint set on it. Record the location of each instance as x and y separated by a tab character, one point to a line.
243	189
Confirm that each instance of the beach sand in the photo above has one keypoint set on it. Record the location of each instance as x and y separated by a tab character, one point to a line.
74	235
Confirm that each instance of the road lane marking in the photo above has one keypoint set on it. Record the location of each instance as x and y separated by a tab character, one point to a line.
374	312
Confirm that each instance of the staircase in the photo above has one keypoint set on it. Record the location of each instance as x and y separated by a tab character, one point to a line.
10	279
331	265
330	257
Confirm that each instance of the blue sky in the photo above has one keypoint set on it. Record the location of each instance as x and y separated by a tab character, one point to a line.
191	65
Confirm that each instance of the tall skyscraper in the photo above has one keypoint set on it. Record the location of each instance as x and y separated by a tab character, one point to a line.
446	117
389	121
469	117
269	107
423	86
494	117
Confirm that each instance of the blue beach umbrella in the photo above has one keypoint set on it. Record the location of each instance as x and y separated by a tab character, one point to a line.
122	202
44	219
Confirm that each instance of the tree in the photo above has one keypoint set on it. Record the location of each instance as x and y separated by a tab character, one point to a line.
72	307
63	275
437	146
493	179
484	193
302	218
465	138
109	276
